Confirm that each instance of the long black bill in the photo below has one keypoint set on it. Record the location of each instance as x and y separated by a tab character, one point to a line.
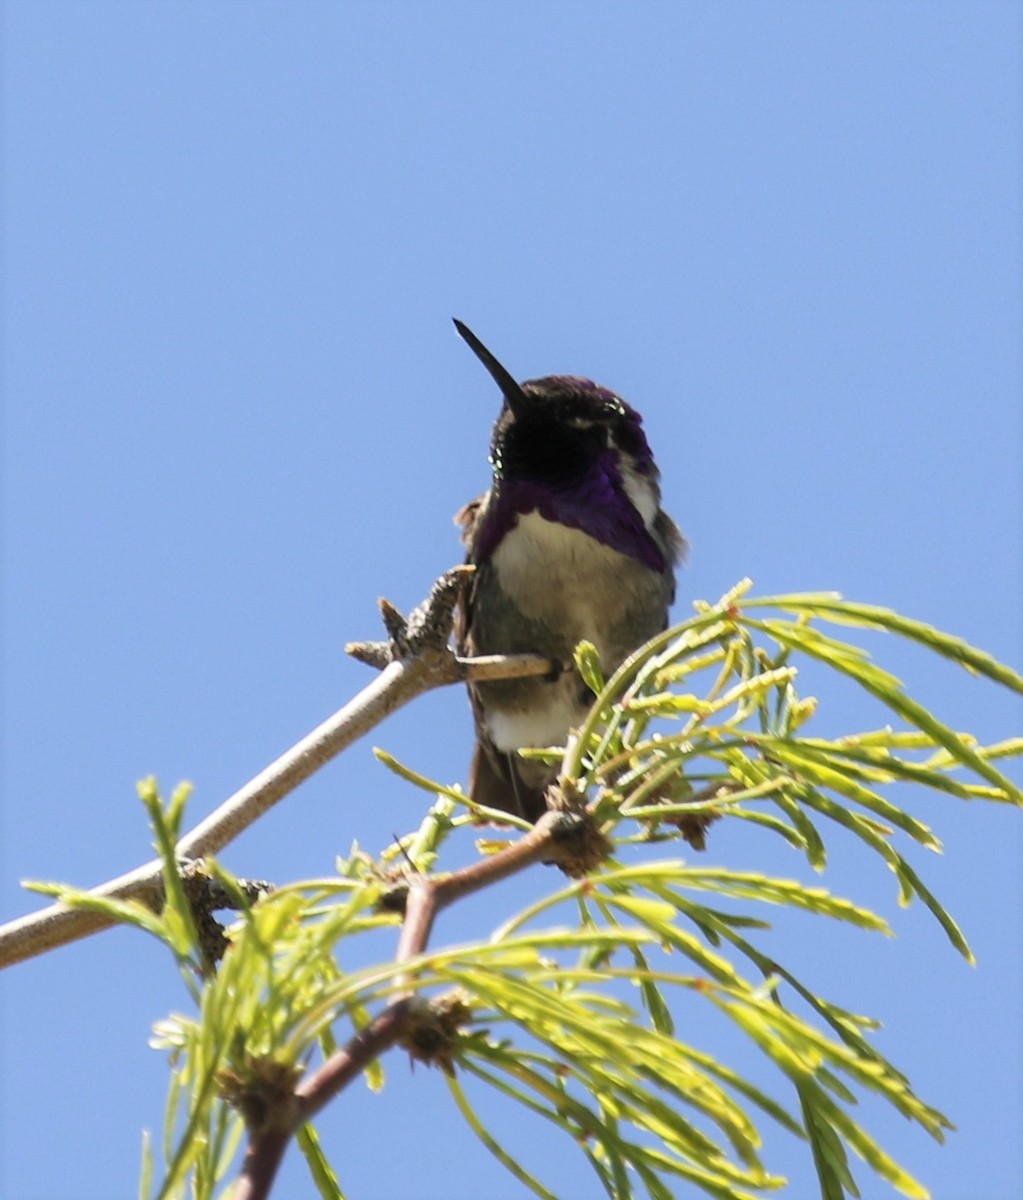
517	399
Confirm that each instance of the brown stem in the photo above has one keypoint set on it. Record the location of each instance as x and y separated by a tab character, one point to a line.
267	1145
323	1084
262	1160
533	847
420	909
426	898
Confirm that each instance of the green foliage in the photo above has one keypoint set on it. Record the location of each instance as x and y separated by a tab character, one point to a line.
702	724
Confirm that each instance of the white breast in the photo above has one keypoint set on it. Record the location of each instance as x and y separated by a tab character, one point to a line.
546	722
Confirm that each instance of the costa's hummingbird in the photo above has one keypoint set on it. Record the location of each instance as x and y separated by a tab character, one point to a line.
569	543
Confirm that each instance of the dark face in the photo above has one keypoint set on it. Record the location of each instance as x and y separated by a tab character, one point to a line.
569	424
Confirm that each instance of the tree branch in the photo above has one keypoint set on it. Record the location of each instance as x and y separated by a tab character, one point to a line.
420	659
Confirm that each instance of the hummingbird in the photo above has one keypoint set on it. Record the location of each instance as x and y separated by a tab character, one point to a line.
569	543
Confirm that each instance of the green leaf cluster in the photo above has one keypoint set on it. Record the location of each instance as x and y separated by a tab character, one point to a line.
572	1003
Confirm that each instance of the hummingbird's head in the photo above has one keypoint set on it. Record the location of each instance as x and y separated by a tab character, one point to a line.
576	454
555	430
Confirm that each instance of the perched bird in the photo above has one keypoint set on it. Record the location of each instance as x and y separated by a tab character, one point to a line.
569	543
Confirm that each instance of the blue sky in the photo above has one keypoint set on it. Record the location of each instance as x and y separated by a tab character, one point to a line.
236	413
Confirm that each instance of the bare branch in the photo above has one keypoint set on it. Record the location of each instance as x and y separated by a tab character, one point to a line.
420	659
